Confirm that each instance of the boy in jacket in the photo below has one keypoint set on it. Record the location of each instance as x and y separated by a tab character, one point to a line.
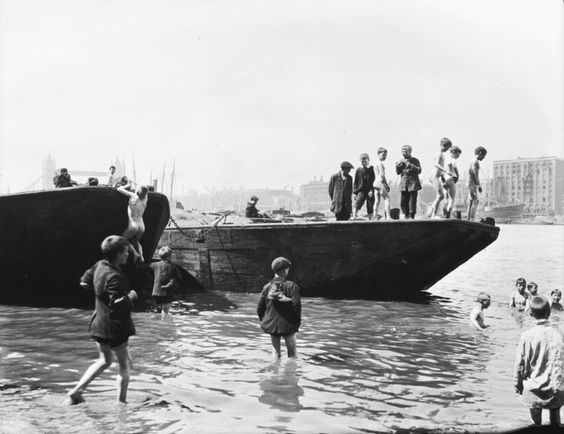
279	308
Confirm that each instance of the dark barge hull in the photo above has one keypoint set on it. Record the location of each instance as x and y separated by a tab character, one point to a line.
49	238
333	259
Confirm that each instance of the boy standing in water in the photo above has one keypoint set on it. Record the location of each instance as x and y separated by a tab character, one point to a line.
279	308
165	279
111	324
364	187
474	186
539	364
382	188
438	177
556	296
519	298
483	301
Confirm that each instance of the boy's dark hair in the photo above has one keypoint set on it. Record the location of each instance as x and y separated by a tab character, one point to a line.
556	291
446	142
112	167
113	245
455	150
480	150
531	285
540	307
521	280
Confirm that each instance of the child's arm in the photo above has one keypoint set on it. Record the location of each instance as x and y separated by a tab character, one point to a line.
512	300
86	281
519	370
261	307
475	319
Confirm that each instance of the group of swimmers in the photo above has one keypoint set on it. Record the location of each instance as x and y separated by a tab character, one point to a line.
539	363
371	186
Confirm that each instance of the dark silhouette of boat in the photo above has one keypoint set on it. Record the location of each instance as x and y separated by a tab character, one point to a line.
49	238
356	259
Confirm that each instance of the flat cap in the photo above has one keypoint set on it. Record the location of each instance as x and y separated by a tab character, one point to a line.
364	155
280	263
346	165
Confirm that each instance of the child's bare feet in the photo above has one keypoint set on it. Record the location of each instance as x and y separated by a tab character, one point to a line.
74	398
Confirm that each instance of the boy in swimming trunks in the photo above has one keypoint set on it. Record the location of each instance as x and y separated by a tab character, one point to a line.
556	296
438	176
136	207
381	187
165	279
451	178
519	298
279	308
538	365
111	324
474	186
483	301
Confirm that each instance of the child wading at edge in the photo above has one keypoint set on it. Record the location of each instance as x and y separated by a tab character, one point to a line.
451	178
382	188
166	279
519	298
438	177
539	364
483	301
279	308
556	296
111	324
474	186
364	187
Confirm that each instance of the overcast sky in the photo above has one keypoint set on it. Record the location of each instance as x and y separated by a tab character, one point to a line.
270	93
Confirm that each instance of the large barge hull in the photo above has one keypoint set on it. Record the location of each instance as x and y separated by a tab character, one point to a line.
333	259
49	238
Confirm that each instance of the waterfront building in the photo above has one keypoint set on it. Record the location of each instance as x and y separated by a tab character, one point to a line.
538	183
314	196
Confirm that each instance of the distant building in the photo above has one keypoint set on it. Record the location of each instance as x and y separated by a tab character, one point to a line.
536	182
314	196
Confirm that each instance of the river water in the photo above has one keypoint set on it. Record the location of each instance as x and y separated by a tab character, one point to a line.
363	366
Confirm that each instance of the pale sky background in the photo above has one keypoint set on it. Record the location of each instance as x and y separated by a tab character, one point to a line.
269	93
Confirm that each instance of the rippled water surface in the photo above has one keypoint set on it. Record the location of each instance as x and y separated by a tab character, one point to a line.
363	366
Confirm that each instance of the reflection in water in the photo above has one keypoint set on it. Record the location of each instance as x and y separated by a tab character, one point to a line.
280	389
362	366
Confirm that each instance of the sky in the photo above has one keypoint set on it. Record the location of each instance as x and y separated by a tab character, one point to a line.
270	93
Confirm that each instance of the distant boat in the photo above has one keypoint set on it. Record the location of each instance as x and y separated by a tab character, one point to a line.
355	259
49	238
510	211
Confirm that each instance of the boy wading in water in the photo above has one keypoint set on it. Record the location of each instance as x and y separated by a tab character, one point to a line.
483	301
474	186
279	308
519	298
539	365
165	279
438	177
111	324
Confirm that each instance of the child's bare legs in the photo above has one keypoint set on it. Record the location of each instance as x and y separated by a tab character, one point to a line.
276	344
124	360
290	344
103	362
450	190
440	196
555	416
536	415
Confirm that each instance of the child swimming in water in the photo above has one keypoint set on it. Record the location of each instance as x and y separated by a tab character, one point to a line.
483	301
556	296
519	298
538	365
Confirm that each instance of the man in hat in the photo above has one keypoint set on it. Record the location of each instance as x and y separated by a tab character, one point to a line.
340	192
279	308
251	210
409	168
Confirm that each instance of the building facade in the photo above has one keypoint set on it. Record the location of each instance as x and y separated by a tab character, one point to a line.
538	183
314	196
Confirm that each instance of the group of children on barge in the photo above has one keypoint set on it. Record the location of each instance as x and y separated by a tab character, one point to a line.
371	186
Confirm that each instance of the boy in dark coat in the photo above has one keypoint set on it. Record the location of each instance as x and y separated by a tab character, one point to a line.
111	324
364	178
409	168
279	308
340	192
166	279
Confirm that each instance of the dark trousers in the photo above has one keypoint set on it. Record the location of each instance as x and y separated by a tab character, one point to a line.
408	203
343	215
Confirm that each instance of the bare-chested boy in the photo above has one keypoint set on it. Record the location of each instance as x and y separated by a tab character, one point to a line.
135	210
438	176
474	186
381	187
483	301
451	178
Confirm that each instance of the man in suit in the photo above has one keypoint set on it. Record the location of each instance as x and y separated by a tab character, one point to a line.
409	168
340	192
